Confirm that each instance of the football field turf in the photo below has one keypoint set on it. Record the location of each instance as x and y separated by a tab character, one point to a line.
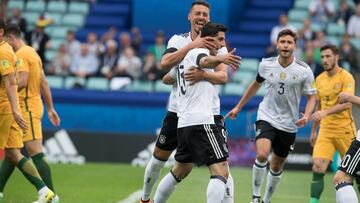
112	183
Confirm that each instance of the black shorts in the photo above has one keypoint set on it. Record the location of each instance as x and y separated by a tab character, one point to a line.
167	139
201	144
351	161
282	142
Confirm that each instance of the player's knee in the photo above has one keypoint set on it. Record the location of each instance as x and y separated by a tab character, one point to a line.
13	156
262	156
317	167
161	154
341	177
181	171
276	168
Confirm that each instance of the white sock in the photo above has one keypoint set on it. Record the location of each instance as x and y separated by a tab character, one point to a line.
273	178
216	190
151	174
43	191
345	193
229	190
165	188
259	170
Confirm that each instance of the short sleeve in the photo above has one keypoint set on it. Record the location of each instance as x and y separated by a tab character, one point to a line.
173	42
22	63
348	84
309	87
6	65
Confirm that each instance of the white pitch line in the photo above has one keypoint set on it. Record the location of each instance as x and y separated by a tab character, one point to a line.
133	197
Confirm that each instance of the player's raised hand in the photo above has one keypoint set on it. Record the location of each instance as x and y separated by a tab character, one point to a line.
20	121
343	97
54	117
302	121
231	59
194	75
233	113
203	42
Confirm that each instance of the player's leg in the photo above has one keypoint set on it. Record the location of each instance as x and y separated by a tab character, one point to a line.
5	172
349	168
217	185
264	135
283	144
323	153
165	144
168	183
229	191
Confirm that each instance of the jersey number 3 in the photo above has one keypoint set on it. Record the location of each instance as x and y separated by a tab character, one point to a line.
281	88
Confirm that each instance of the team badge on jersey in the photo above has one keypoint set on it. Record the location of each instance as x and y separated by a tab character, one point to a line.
337	86
162	139
282	75
5	64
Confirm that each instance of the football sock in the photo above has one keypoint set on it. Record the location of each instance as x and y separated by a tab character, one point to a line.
30	173
258	172
216	189
5	172
151	174
43	168
317	187
357	180
273	178
166	187
229	190
345	193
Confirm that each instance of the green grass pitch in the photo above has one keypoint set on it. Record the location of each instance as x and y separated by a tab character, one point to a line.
111	183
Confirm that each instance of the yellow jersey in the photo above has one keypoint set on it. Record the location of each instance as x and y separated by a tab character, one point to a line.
7	66
30	97
328	89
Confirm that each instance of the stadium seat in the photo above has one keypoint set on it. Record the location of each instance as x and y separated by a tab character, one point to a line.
297	25
97	83
141	86
335	29
334	40
35	6
56	17
316	26
79	7
31	17
249	64
59	32
55	81
55	43
76	20
355	42
297	15
234	89
161	87
244	77
50	54
15	4
302	4
56	6
71	82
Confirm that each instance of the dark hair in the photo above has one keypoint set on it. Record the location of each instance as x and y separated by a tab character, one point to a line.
332	47
199	2
287	32
13	29
2	24
211	29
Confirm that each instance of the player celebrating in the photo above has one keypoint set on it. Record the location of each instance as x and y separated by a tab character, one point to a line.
337	126
286	78
11	120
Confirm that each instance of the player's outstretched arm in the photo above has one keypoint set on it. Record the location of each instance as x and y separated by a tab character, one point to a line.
315	125
195	74
320	114
249	93
347	97
11	89
45	91
170	77
172	59
229	59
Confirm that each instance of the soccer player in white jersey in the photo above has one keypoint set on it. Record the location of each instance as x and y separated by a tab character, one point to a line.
178	47
286	79
200	141
350	165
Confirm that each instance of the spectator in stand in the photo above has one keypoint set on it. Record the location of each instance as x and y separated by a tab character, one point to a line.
344	13
109	59
353	28
72	45
348	53
38	39
283	24
309	59
321	11
136	40
129	65
93	44
309	34
61	63
17	19
124	41
320	39
152	70
159	47
85	64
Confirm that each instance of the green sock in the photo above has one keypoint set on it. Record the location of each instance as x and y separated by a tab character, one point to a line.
30	173
5	172
43	168
317	187
357	180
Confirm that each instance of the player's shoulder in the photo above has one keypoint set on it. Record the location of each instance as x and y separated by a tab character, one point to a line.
302	64
345	73
181	36
268	61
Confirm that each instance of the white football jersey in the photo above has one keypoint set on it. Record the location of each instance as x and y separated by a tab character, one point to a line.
178	42
284	87
195	102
